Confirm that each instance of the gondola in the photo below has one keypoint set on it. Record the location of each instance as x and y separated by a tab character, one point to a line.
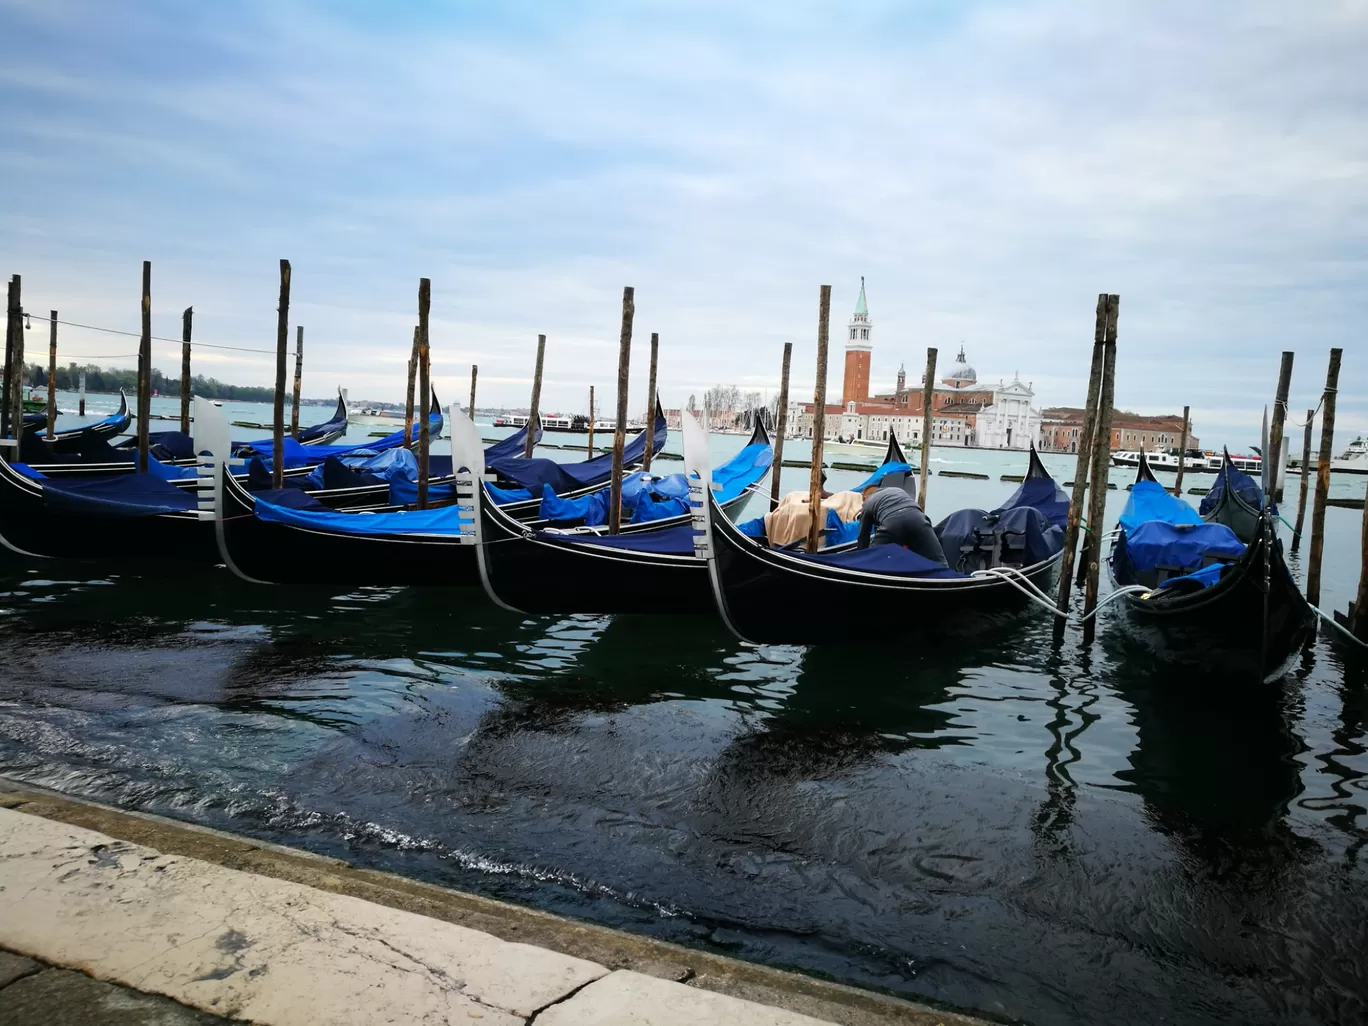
277	538
71	440
1235	499
883	592
1209	597
649	567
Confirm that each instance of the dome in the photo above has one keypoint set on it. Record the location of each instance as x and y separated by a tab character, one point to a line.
961	371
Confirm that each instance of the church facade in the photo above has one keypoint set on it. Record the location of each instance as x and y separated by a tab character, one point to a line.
963	412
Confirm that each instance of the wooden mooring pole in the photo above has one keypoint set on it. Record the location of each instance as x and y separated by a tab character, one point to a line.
1097	496
298	380
1275	432
408	400
425	388
928	422
535	407
474	373
12	309
187	318
620	429
1358	612
591	422
52	377
282	344
145	369
780	426
1086	431
814	540
1182	450
1305	481
651	403
80	403
1327	453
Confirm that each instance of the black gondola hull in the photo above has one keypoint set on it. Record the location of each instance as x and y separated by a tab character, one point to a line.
274	553
29	526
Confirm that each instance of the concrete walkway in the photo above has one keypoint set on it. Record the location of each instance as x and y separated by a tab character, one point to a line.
248	945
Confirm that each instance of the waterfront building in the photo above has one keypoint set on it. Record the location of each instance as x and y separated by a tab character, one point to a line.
1061	425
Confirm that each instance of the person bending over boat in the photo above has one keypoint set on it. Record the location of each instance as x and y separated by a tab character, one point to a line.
892	517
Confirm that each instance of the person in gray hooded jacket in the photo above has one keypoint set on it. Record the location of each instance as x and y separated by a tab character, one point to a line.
892	517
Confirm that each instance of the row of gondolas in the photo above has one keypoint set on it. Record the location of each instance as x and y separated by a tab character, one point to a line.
1197	584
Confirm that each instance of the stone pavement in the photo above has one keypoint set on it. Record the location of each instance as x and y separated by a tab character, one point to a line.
251	945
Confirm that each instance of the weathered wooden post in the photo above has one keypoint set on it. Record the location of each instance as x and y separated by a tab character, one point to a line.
1358	612
80	407
282	342
1327	453
780	426
1182	450
620	429
1085	454
1305	481
145	368
425	385
11	321
928	420
535	407
186	318
408	400
52	377
591	422
1273	458
651	402
1097	496
819	421
298	380
474	373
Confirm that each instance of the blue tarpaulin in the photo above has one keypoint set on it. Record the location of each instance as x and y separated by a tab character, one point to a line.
117	495
676	541
1150	500
445	520
1241	483
535	474
885	559
1157	544
881	473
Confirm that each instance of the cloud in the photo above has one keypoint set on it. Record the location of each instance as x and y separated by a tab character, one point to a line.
988	167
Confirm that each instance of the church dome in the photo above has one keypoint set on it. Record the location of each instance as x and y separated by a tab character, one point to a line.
961	372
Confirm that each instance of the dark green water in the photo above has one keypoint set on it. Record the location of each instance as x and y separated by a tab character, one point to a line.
1055	835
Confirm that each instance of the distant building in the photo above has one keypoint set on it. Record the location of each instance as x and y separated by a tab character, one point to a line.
960	406
1061	425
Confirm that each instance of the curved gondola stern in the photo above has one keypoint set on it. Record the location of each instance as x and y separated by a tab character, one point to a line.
698	472
894	453
1142	470
467	464
212	462
1035	467
759	436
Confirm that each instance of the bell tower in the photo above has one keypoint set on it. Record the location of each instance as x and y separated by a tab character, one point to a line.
857	352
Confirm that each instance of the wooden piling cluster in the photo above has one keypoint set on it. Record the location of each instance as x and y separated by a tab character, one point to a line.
7	400
298	380
425	384
928	398
52	377
591	422
187	319
409	440
474	373
1305	480
1182	450
780	426
651	402
620	429
814	540
1327	453
282	344
145	371
1101	464
1085	446
1273	458
535	407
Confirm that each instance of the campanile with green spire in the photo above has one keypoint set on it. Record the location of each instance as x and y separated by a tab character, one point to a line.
857	352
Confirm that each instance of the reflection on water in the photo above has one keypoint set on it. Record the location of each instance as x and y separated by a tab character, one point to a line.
1055	835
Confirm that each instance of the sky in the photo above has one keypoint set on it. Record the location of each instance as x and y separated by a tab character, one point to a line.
988	168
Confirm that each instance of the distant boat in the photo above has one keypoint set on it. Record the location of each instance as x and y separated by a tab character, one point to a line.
1354	460
1201	461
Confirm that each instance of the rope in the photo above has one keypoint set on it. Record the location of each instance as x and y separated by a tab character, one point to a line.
1026	586
1128	589
155	338
1339	627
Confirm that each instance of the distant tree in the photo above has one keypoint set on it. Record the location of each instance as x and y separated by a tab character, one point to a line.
98	379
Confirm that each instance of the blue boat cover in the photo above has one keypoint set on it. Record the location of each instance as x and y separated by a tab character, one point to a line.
1020	534
445	520
647	497
676	541
1243	485
1150	500
535	474
297	455
1156	544
117	495
885	559
879	474
1205	577
511	446
1044	494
